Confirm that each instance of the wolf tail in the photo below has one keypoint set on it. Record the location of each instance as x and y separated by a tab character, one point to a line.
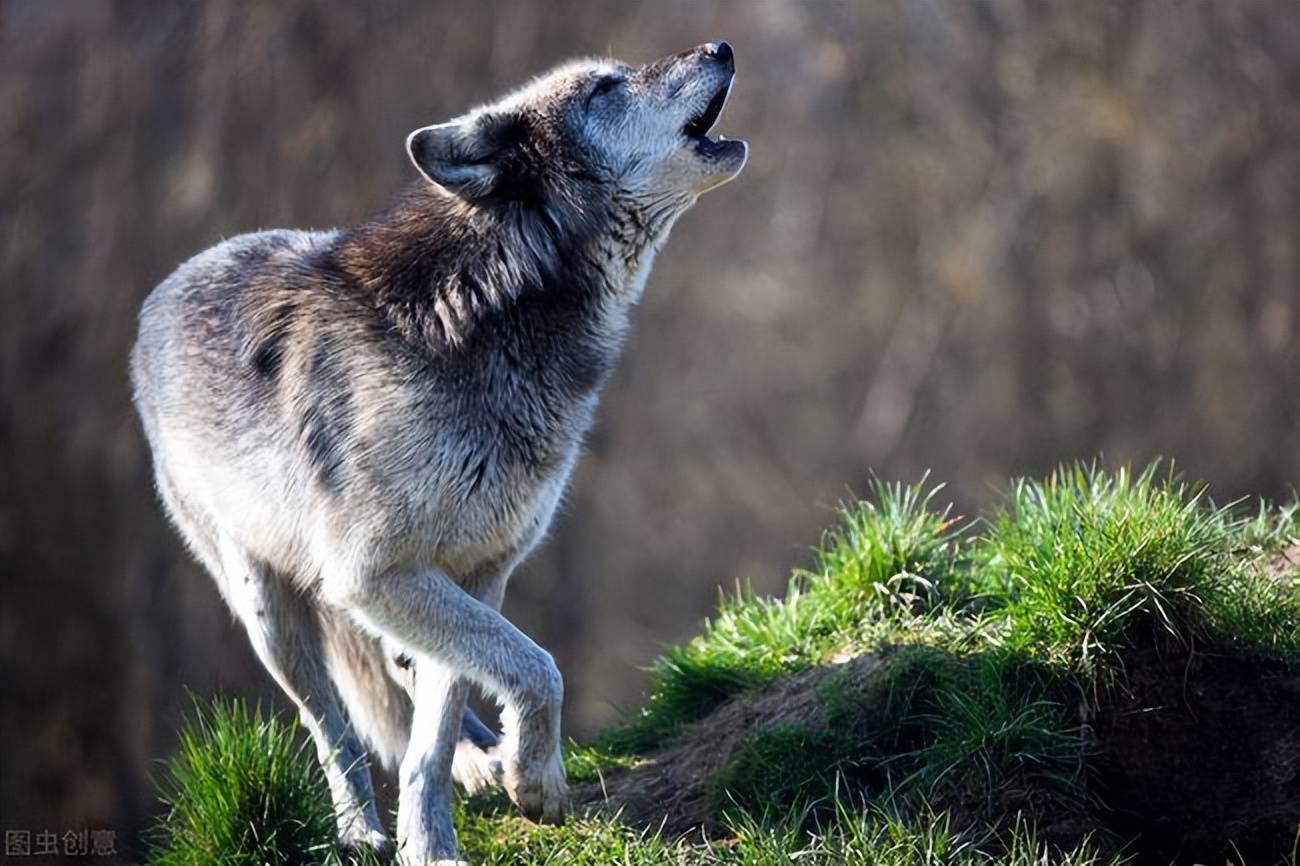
377	706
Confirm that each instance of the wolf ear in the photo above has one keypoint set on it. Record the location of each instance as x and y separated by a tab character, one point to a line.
455	156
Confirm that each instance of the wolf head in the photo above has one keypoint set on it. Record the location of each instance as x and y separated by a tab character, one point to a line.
591	137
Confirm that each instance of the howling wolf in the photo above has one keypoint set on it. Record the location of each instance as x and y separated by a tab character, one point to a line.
361	432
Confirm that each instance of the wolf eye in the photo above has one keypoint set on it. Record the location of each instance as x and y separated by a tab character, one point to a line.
603	86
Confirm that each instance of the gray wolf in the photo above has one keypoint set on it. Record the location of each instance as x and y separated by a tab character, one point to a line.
361	432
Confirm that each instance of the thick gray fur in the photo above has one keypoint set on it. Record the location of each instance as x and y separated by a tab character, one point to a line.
360	433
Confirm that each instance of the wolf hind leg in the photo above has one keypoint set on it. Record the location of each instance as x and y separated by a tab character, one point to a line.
378	702
377	684
476	765
286	632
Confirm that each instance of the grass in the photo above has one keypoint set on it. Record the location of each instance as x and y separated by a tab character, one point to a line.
992	724
1080	562
242	790
1245	612
847	835
994	634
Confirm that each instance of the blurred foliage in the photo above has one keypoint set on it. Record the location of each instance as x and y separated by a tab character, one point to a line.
979	237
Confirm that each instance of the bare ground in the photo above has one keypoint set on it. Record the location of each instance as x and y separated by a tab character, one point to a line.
668	789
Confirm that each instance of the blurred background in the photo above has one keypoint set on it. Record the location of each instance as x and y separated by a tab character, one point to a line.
977	238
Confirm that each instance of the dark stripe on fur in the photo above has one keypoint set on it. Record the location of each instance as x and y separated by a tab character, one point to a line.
327	421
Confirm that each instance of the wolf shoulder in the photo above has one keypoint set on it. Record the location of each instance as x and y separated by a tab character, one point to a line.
203	298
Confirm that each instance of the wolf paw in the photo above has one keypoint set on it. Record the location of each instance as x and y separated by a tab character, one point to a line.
476	769
422	861
363	844
538	788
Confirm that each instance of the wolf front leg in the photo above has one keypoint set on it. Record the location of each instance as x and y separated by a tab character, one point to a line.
428	613
285	631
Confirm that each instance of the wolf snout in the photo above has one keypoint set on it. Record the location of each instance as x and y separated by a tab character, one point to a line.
719	51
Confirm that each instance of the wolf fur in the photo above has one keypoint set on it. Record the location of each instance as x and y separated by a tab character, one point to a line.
360	433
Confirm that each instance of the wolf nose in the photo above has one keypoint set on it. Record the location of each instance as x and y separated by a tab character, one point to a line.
720	51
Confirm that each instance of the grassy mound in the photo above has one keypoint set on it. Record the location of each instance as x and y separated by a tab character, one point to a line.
1107	667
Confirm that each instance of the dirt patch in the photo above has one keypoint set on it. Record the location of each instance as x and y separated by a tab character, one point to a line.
669	789
1283	564
1200	754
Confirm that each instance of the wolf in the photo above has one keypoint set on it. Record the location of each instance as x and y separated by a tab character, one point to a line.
361	432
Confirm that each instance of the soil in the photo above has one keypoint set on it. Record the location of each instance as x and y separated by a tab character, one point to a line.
1284	563
1200	755
668	790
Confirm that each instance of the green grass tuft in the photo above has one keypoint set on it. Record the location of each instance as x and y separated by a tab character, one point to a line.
504	839
242	790
1084	561
990	725
1268	529
1254	604
892	549
779	767
586	762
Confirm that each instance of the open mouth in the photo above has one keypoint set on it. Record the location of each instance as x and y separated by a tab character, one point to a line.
697	128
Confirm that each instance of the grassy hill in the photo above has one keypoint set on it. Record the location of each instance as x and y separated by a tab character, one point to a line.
1105	668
